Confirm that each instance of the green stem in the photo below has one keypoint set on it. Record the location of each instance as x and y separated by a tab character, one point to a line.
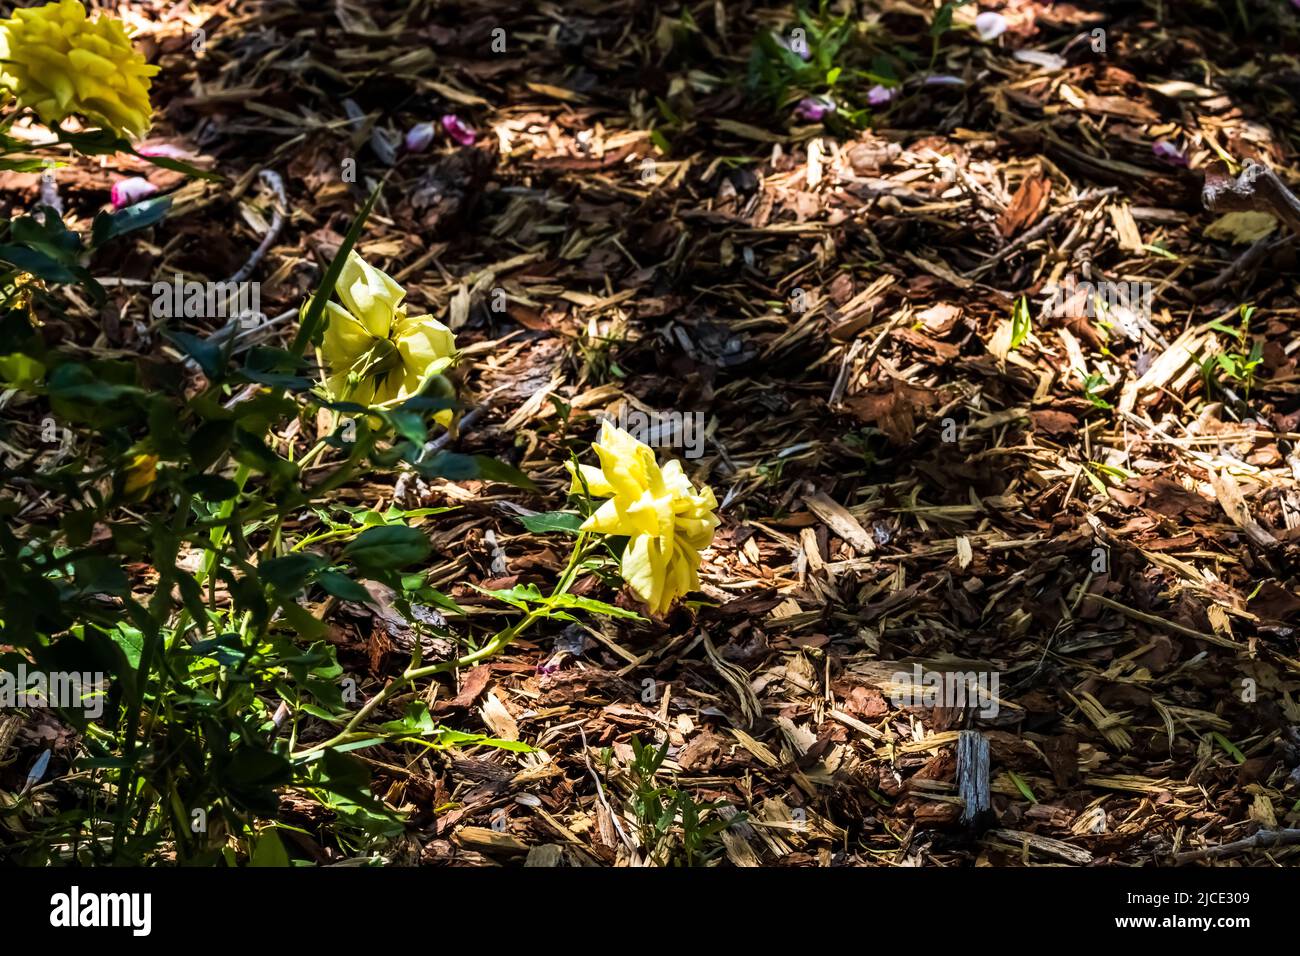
218	534
498	643
154	643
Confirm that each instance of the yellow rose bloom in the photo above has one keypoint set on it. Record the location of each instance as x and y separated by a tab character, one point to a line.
373	353
60	63
666	521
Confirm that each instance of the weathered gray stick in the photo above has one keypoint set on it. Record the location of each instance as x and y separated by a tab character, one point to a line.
1257	189
973	776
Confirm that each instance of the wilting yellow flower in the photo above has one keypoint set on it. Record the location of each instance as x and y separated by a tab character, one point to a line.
667	522
59	62
373	352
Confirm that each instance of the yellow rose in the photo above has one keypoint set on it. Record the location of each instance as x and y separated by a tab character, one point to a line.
373	353
666	521
60	63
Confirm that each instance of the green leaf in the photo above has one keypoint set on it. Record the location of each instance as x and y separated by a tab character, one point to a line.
75	382
137	216
592	605
269	850
100	574
210	442
342	587
311	320
191	595
344	776
1228	746
47	234
408	425
251	767
942	21
95	142
457	467
130	641
552	521
252	451
302	621
37	263
180	166
456	738
25	165
423	594
211	487
1020	323
289	574
20	371
417	722
208	354
387	548
518	596
393	512
1022	786
250	777
276	368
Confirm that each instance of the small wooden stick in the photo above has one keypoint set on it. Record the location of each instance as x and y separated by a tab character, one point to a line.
1246	263
1043	228
1257	189
1262	839
273	181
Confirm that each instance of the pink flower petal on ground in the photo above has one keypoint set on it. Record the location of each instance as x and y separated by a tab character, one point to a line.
418	137
127	192
813	109
943	79
879	95
458	130
165	150
1167	152
990	25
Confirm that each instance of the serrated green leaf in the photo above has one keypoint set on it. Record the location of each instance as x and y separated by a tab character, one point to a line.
519	596
592	605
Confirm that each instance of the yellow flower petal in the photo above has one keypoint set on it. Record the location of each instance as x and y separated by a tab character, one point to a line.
597	486
607	519
141	473
427	348
645	570
369	294
92	63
